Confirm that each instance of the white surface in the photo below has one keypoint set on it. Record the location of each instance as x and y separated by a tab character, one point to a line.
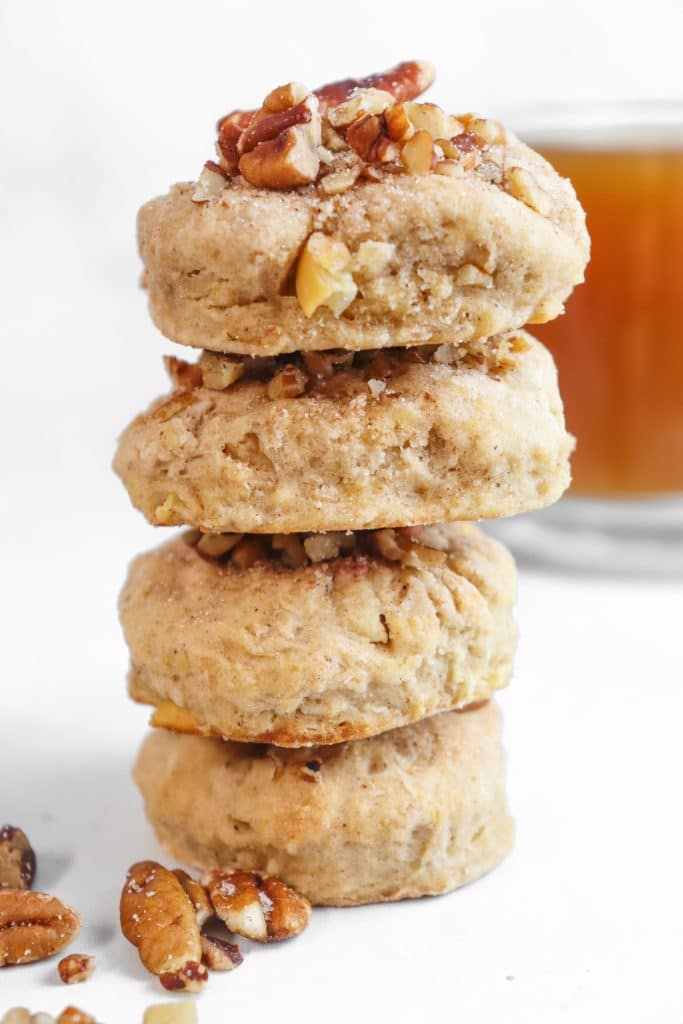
108	104
582	923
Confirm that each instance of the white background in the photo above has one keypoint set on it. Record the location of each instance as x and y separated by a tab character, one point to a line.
103	105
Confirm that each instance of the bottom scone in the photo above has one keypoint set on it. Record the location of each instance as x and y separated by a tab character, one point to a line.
413	812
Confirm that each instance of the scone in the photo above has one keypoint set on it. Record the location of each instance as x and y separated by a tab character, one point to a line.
300	640
416	811
360	220
337	440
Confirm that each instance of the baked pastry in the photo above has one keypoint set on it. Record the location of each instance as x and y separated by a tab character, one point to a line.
300	639
336	441
416	811
360	220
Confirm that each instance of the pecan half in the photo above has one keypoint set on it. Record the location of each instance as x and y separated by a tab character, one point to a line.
259	907
197	895
75	968
219	954
33	926
17	859
405	81
158	918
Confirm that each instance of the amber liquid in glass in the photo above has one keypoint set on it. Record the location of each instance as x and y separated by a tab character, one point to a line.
619	347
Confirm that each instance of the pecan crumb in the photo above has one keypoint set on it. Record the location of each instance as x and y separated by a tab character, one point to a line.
76	967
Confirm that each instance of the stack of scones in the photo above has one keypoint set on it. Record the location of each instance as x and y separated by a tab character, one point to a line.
322	645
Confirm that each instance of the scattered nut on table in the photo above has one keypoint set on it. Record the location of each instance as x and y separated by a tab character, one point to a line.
159	919
75	967
17	859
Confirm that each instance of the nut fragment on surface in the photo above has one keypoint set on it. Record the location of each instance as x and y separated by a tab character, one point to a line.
522	185
17	1015
219	954
323	277
171	1013
17	859
75	968
72	1015
168	715
259	907
33	926
158	918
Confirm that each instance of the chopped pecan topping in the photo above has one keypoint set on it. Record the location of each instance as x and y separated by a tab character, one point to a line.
17	859
290	382
359	130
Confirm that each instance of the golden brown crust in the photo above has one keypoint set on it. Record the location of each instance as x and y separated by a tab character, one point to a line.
415	811
327	651
434	442
220	273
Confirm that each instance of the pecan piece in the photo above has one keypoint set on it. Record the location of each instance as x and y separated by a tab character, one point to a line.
72	1015
17	859
158	918
405	81
171	1013
183	376
33	926
259	907
270	126
197	895
290	382
417	155
323	277
75	967
283	162
210	183
219	954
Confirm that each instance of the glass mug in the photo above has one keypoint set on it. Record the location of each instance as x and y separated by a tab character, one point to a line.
619	346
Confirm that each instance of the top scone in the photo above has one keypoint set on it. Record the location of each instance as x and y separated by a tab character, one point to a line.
353	217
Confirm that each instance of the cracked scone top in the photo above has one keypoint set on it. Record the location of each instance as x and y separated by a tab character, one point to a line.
355	217
415	811
301	639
